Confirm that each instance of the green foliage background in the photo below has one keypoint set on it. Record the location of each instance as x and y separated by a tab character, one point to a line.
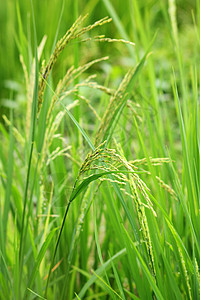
100	181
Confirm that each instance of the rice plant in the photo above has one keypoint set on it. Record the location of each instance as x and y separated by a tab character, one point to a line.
100	163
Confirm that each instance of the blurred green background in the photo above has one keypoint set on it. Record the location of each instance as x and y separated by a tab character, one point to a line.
153	15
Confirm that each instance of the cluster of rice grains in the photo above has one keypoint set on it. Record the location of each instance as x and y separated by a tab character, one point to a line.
117	170
73	33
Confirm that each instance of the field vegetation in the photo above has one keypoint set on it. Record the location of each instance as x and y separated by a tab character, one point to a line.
99	149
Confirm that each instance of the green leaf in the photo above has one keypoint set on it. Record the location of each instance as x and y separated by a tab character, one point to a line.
39	258
106	266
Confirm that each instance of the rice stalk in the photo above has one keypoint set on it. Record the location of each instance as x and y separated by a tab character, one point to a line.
129	105
102	38
53	125
97	86
89	105
154	161
185	273
98	160
19	138
115	102
144	224
29	82
197	274
73	33
172	14
70	76
167	188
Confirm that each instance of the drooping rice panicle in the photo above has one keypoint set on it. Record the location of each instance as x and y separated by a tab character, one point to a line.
73	33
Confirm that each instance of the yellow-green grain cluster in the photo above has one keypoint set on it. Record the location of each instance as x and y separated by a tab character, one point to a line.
73	33
108	160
